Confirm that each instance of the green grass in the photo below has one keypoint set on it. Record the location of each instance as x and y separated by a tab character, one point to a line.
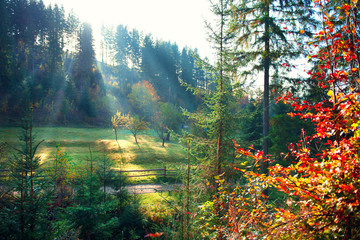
77	143
157	206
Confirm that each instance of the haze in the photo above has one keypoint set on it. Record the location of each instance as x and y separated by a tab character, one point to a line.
180	21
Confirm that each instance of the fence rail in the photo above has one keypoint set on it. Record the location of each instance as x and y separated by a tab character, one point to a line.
161	172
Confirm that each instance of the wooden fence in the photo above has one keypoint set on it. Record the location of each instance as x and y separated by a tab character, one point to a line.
158	172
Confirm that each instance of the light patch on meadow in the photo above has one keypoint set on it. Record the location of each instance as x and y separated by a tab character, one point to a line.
45	154
156	146
113	145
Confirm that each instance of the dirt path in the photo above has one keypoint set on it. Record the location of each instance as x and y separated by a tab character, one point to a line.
150	188
147	188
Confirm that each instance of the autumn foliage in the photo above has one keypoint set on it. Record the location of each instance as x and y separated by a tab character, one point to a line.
322	187
134	124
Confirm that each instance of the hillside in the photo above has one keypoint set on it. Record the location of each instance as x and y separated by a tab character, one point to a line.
78	142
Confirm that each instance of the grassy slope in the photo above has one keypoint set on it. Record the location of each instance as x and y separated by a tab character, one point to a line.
77	141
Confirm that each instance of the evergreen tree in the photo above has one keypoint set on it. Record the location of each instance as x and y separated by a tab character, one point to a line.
266	31
187	76
85	59
220	100
251	124
135	49
57	27
122	42
5	50
284	131
215	119
147	56
87	79
23	214
107	44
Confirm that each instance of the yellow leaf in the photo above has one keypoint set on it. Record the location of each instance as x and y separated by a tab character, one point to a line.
330	93
302	31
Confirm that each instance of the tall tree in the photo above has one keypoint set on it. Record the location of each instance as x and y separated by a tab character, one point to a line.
214	120
266	30
56	29
187	69
122	42
107	44
135	49
147	55
23	213
5	49
220	100
85	58
85	75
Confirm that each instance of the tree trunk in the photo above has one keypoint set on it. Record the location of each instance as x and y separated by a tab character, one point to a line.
266	121
220	129
31	155
135	138
266	87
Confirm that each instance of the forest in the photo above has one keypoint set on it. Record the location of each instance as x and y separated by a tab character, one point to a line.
261	143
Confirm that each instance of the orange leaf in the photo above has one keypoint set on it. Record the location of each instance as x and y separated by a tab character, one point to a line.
154	234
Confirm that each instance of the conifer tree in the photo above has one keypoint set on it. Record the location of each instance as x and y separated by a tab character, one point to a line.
266	32
215	119
88	81
85	58
135	48
57	28
5	49
22	215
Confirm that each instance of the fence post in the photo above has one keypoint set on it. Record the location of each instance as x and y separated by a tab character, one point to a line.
165	171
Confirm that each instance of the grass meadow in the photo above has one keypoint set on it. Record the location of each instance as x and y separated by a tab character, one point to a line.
81	143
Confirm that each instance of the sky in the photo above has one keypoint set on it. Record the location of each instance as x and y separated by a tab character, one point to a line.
180	21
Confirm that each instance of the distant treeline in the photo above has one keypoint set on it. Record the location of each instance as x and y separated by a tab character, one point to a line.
47	59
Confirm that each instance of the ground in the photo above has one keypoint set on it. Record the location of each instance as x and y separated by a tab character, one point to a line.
81	143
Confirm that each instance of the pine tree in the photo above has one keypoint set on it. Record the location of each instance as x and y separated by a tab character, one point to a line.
85	59
251	123
88	81
23	214
135	49
214	121
187	69
57	28
219	100
5	49
122	43
266	31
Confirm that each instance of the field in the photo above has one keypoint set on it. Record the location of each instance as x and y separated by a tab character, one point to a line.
80	143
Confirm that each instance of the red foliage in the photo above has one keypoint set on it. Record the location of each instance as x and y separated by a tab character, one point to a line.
154	235
323	186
